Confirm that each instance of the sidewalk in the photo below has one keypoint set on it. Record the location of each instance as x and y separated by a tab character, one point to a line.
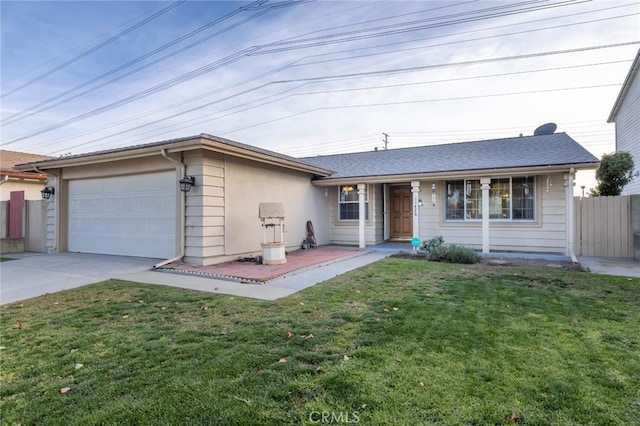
271	290
611	266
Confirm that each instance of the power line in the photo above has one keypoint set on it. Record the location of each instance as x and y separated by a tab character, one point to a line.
23	114
299	39
209	119
34	108
294	64
93	49
46	62
420	101
546	19
286	81
325	42
297	63
368	55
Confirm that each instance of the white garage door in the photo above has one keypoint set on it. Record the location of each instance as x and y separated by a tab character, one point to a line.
126	215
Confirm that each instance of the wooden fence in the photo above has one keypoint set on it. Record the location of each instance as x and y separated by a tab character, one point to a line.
22	226
603	227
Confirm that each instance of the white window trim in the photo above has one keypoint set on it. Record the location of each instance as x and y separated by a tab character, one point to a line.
366	203
510	220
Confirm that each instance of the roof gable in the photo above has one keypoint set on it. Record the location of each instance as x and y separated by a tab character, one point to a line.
519	152
633	72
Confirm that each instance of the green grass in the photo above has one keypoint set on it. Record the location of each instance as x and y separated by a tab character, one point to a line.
426	343
4	259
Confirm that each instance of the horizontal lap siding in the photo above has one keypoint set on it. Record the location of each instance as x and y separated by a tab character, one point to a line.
205	207
627	130
348	232
547	234
51	239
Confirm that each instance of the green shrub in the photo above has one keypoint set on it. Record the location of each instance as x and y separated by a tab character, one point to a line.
453	254
432	243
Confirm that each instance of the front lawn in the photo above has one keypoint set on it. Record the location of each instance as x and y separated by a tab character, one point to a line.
400	342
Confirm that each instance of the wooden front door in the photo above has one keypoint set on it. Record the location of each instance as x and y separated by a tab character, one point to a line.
401	213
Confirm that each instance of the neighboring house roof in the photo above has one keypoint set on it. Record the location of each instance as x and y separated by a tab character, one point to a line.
542	151
9	159
202	141
625	88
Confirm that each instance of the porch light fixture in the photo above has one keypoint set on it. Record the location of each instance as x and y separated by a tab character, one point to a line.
420	202
433	193
186	183
47	192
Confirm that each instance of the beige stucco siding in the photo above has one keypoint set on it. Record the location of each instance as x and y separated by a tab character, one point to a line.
246	184
31	189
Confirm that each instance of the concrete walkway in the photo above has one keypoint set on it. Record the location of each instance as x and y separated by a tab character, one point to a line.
272	290
611	266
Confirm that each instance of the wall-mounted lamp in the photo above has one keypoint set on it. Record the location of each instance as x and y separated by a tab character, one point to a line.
420	202
186	183
549	184
433	193
47	192
326	192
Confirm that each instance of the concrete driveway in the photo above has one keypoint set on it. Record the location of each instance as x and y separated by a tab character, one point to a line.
35	274
611	266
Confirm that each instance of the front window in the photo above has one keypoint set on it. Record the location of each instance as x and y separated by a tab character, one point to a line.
509	199
348	204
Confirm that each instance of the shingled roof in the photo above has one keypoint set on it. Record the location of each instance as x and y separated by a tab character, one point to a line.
556	149
203	140
9	159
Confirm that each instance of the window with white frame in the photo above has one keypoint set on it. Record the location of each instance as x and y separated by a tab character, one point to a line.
348	204
511	198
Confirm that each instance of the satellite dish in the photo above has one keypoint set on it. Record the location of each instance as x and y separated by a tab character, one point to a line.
545	129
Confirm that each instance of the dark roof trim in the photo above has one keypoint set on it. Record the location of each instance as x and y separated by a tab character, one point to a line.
203	141
507	171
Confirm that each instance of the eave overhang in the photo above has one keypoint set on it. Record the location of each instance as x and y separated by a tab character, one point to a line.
13	175
625	88
495	172
174	146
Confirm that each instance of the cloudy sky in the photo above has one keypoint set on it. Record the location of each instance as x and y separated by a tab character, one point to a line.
310	77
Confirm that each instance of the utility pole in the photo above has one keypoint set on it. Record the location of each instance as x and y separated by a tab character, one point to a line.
385	140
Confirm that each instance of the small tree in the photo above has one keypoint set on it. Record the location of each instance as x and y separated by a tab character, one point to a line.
614	172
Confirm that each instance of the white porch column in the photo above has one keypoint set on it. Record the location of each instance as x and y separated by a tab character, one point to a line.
362	190
415	191
568	181
485	185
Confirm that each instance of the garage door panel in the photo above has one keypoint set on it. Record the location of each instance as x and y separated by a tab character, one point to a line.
125	215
